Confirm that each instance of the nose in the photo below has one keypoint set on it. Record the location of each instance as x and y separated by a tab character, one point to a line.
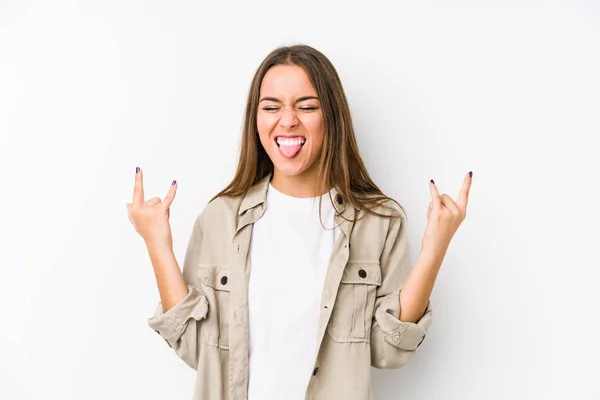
288	118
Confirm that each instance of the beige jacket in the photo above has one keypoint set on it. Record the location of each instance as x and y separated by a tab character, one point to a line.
358	324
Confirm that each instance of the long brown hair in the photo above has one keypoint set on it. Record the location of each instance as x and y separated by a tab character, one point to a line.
340	164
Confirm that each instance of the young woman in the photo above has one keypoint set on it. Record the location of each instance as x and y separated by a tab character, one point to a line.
291	283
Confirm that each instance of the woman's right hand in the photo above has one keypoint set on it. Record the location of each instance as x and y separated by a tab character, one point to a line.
150	218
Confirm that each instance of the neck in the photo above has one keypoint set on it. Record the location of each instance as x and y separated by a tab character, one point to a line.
303	185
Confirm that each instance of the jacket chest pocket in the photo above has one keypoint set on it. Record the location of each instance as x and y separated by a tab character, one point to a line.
215	284
353	311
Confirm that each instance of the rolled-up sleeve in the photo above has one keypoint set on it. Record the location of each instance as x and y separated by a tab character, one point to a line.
393	342
172	324
180	325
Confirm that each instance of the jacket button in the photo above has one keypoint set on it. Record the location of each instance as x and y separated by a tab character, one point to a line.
224	280
339	199
362	273
315	371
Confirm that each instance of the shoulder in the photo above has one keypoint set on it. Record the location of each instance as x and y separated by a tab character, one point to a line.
220	209
224	205
377	229
382	209
378	219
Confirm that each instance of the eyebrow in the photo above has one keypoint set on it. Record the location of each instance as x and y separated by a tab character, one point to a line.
298	100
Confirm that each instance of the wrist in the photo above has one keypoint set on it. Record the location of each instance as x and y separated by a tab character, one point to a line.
159	247
432	255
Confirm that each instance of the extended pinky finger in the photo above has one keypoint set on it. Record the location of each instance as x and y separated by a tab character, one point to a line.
435	195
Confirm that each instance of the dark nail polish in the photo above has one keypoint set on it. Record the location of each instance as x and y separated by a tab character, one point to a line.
432	181
137	169
174	182
471	174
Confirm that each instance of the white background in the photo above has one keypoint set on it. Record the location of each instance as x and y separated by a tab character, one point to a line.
510	90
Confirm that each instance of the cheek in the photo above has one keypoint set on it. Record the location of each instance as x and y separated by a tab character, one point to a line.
264	129
265	121
264	138
316	129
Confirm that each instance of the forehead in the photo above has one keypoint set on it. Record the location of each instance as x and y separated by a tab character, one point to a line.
286	80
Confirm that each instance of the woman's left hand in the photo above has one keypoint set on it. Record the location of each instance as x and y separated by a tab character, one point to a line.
444	216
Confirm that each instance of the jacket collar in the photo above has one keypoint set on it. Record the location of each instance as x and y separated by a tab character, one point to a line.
257	195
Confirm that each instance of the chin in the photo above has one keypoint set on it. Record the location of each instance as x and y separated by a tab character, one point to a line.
289	169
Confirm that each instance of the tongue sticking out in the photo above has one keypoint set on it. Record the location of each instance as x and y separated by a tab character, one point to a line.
289	150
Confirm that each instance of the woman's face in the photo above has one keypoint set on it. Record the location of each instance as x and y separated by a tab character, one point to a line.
290	122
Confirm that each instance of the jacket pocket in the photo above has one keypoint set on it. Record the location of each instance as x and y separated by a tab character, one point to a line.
353	311
215	284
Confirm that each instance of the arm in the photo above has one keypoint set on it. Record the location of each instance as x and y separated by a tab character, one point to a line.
416	291
171	285
183	306
444	216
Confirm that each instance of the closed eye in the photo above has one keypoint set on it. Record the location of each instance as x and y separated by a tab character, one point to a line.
307	108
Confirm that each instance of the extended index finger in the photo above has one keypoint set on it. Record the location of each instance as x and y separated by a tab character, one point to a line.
463	196
138	188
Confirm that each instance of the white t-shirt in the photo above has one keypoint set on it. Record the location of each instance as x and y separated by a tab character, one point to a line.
289	255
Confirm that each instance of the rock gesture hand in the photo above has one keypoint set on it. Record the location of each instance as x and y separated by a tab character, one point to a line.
150	218
444	216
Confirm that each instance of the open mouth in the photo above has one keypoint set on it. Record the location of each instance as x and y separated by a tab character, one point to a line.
290	146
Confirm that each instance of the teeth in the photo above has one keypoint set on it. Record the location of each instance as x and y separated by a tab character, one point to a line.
290	142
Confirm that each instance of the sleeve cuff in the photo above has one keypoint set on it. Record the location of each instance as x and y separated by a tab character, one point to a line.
404	335
172	324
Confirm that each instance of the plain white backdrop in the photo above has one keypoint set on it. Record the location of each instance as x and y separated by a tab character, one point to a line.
508	89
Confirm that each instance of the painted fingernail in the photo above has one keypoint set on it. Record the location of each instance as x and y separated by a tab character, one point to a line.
471	174
137	169
432	181
174	183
